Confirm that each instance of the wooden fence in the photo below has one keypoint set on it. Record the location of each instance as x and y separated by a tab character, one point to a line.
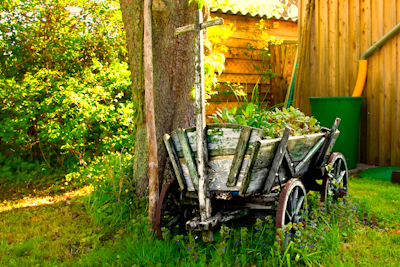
340	32
245	61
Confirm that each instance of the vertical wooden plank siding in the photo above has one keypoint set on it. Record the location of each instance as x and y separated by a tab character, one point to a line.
396	111
344	45
354	38
377	82
342	31
333	48
323	47
389	81
366	108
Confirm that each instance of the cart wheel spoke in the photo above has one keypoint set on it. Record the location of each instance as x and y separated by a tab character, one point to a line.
289	215
294	199
299	204
173	222
340	178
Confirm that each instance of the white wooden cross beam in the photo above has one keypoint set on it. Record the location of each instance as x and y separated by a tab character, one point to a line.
201	142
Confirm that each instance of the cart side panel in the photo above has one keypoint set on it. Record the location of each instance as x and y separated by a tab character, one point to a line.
256	179
298	147
218	170
222	139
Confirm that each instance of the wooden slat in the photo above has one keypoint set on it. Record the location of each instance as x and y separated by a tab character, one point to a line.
187	153
354	46
323	48
279	154
290	163
377	83
174	160
238	157
396	98
389	53
333	48
249	169
366	109
343	47
286	61
277	60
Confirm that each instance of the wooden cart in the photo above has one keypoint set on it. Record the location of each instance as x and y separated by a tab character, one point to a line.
224	171
246	172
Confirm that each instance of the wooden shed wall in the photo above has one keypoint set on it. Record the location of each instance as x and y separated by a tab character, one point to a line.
239	63
340	32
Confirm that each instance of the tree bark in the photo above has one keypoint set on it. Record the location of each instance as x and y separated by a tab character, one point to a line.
173	66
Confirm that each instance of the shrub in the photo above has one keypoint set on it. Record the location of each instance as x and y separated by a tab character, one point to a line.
64	82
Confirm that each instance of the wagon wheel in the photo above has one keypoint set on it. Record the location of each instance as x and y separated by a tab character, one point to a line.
169	213
335	184
292	207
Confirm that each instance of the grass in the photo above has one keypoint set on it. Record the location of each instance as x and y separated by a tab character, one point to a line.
48	225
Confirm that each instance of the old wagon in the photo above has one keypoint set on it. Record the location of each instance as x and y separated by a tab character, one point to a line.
225	171
246	173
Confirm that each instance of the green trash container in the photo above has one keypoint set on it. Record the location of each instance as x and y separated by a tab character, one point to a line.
327	109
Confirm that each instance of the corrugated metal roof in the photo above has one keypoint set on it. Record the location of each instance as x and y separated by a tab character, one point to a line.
253	15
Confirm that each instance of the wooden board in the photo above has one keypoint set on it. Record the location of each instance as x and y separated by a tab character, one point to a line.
222	139
298	147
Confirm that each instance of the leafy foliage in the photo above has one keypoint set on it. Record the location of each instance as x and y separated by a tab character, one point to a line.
214	62
64	83
273	120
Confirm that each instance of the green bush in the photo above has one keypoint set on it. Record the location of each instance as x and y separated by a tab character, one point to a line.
64	82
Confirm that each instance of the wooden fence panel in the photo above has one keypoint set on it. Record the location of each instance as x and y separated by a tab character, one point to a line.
342	31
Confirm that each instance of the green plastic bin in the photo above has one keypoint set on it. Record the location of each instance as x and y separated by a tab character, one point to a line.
327	109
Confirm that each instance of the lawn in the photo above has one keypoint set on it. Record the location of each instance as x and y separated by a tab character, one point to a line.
47	225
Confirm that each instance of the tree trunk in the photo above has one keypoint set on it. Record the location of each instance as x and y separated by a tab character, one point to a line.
173	65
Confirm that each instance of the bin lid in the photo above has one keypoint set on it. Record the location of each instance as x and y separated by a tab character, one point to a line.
379	173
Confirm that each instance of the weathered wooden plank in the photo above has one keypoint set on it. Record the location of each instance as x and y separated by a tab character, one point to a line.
174	160
290	163
250	166
377	84
286	61
329	143
298	147
276	163
309	155
278	60
324	48
238	157
191	28
187	153
333	49
366	108
217	172
343	49
396	98
354	39
222	139
389	88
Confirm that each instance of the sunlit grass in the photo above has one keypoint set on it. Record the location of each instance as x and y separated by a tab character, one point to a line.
33	201
46	230
52	228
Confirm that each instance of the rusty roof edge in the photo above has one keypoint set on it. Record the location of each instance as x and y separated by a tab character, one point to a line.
253	15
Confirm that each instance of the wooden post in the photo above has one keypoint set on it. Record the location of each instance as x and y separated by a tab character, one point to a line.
150	120
201	142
